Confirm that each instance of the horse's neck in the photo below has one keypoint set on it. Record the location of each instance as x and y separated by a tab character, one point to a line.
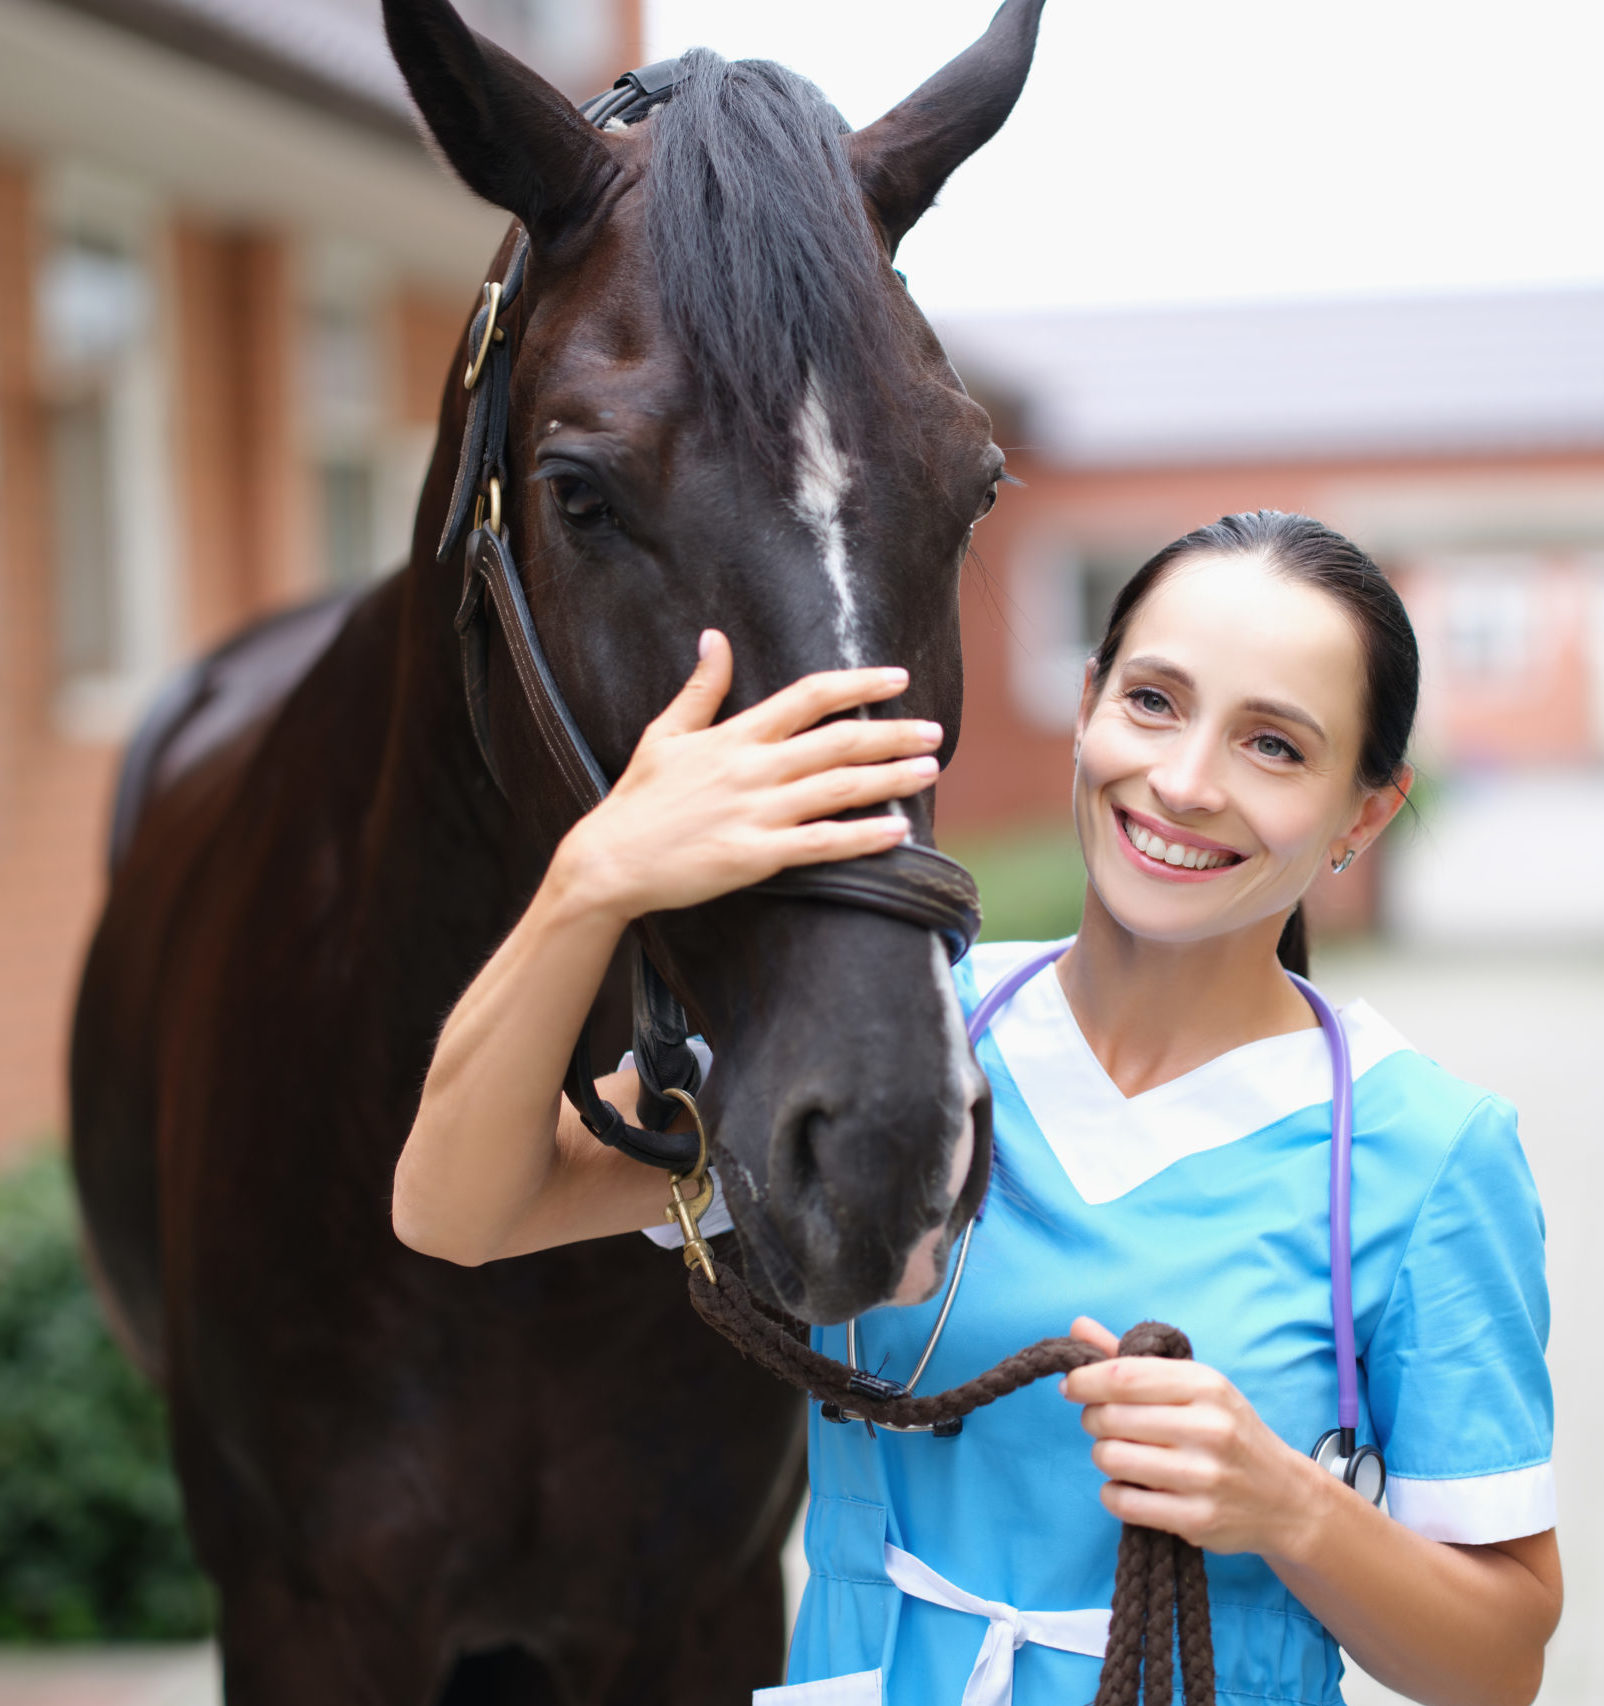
445	853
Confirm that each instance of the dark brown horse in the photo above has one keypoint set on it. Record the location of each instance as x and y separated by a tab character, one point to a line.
725	410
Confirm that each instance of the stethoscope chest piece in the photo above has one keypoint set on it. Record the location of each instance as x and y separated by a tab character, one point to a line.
1358	1466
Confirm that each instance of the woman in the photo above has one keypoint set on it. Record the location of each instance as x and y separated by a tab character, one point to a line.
1162	1149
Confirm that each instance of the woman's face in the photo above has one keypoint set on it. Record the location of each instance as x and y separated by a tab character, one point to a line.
1217	765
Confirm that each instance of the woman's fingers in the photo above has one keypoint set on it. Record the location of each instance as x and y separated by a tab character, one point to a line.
852	741
1158	1467
1153	1424
818	843
838	791
697	702
1143	1508
816	697
1095	1333
1140	1380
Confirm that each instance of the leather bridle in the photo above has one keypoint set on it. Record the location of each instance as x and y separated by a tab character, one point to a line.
913	883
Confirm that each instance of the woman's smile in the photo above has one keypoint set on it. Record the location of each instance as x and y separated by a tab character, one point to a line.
1230	704
1173	855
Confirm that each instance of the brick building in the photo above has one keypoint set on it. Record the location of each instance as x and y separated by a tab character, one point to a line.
230	282
1460	441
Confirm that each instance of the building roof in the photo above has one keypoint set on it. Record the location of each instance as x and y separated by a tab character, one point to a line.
333	53
1507	372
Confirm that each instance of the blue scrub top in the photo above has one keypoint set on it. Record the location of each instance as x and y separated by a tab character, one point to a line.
1203	1203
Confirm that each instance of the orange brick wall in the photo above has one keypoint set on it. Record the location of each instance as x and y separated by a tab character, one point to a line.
53	792
246	504
424	329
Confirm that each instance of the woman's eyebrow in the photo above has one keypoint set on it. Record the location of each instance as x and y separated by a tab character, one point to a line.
1286	713
1150	664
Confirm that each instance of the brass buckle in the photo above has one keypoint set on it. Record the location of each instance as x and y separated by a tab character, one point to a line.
495	508
689	1214
493	334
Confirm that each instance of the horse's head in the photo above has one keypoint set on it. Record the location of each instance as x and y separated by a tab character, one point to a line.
727	412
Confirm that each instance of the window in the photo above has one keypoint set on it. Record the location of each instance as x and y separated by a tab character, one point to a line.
346	495
106	423
344	392
1063	597
367	463
1488	621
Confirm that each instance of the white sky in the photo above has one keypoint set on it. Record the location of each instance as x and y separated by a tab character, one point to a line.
1206	150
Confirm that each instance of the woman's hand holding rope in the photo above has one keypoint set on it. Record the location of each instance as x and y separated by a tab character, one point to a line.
1185	1452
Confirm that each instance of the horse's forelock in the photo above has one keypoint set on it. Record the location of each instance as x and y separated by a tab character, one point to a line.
769	274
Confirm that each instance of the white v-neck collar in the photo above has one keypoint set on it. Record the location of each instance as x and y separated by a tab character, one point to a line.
1109	1143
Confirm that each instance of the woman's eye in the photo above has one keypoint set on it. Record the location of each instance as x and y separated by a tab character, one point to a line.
1274	746
1150	700
580	501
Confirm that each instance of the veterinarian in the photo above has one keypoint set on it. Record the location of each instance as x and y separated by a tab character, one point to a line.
1163	1136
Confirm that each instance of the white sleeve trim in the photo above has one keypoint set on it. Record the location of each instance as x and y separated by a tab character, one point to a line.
1477	1509
717	1219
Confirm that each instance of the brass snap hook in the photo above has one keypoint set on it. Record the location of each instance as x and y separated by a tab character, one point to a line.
689	1214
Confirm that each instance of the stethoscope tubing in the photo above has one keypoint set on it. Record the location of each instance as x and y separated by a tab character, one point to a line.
1341	1201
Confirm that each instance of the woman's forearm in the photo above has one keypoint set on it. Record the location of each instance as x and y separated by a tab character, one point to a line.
485	1138
1446	1625
493	1166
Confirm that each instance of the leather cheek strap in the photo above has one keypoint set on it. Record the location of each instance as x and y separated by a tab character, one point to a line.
915	884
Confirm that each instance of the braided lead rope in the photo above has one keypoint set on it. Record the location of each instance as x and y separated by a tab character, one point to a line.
1158	1639
1159	1582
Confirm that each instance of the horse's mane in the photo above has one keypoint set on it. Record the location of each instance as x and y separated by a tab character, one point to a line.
767	269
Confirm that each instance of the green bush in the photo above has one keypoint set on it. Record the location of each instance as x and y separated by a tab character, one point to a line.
1032	881
92	1542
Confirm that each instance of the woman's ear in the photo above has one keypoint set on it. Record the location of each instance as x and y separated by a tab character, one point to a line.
1377	809
1088	698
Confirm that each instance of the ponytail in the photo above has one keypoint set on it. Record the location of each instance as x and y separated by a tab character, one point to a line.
1293	948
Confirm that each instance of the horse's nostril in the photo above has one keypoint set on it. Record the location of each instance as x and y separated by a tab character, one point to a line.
796	1151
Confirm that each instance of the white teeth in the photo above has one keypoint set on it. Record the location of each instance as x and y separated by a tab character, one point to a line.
1172	853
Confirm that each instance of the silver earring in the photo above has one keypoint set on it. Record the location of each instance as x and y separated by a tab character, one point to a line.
1338	866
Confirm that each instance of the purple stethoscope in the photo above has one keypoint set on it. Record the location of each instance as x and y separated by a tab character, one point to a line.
1337	1449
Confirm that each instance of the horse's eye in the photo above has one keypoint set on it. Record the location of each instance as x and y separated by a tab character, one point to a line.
987	503
578	499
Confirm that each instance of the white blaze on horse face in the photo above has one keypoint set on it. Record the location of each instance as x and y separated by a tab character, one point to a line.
822	479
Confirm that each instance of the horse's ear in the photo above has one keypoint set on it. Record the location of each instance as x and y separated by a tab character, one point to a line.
903	159
510	136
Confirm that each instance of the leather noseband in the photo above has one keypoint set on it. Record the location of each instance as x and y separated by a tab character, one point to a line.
913	883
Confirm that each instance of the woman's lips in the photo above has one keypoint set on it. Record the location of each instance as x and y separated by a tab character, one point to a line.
1150	852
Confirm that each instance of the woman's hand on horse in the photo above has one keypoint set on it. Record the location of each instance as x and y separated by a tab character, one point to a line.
1185	1452
704	808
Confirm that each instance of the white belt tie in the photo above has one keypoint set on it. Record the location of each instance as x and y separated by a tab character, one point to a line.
991	1682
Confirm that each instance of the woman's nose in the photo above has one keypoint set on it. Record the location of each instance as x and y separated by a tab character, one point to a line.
1188	778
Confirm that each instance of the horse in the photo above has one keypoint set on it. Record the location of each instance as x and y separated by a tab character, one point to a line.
544	1478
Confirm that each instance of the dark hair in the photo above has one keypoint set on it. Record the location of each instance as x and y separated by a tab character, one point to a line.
1305	550
769	273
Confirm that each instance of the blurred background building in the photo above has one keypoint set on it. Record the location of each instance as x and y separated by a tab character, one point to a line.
230	282
1458	439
